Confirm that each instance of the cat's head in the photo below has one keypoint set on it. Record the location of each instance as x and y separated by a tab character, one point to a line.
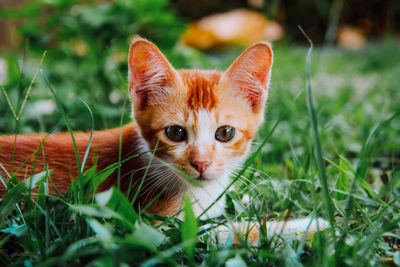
207	119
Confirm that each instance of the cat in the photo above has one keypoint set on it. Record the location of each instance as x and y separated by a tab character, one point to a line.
204	120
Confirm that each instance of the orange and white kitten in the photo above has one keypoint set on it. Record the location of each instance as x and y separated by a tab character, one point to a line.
205	119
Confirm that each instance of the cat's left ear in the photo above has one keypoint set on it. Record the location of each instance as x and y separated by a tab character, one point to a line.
249	75
151	76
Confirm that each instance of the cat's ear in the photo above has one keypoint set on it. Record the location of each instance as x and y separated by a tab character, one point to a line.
150	74
250	73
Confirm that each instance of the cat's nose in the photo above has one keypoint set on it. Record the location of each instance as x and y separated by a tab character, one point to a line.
200	165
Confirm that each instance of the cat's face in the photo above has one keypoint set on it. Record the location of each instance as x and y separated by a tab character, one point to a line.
206	119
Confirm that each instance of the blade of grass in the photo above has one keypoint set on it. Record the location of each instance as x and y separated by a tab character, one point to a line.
90	138
361	172
371	238
2	179
22	106
189	230
46	211
68	125
120	142
318	151
367	150
21	109
14	195
64	114
316	208
145	174
363	185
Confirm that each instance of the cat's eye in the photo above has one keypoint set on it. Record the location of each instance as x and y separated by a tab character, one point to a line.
225	133
176	133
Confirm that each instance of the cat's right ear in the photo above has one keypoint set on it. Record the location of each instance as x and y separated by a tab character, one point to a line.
150	74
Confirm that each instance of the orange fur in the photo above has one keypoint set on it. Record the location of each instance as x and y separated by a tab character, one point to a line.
201	85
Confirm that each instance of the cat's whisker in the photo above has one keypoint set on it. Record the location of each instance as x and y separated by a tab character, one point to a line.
260	172
250	189
152	170
148	182
253	187
159	182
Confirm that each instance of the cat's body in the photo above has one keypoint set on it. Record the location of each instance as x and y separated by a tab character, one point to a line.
204	121
104	152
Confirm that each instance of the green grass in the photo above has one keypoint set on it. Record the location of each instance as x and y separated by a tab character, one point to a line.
355	98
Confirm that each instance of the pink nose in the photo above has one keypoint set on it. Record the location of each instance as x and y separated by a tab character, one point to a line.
200	166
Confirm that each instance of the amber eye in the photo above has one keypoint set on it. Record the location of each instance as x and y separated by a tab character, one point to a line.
176	133
225	133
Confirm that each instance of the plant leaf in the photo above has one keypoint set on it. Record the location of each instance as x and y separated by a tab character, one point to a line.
147	235
15	194
100	229
115	200
189	228
235	262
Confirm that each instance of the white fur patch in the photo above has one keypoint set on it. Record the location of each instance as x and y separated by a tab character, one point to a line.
205	131
203	197
299	226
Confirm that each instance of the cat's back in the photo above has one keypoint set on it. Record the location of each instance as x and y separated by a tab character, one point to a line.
24	155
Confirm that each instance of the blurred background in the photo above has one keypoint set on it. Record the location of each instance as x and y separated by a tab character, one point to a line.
355	64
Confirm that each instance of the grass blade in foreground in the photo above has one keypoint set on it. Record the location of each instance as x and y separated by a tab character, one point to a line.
61	106
189	230
15	194
318	151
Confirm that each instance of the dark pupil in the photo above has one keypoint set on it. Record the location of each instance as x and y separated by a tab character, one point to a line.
176	133
225	133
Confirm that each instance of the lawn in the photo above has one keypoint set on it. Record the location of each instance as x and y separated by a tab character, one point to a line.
355	96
